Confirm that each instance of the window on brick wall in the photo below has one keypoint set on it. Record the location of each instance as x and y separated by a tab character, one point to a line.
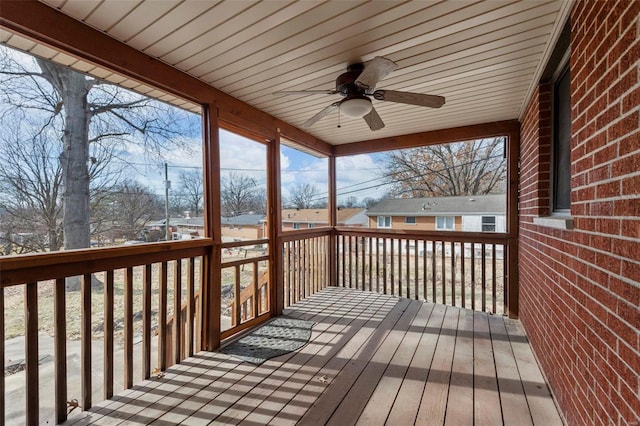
562	141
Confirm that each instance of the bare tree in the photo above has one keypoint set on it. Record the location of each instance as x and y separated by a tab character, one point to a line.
132	207
241	194
462	168
83	113
191	191
302	196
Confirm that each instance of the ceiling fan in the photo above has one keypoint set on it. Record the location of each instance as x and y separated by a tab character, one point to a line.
357	86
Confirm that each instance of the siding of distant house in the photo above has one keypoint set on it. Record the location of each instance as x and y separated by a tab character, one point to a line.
423	223
244	232
580	288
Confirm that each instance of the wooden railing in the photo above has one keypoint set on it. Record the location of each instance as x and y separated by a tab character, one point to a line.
305	264
249	299
456	268
122	271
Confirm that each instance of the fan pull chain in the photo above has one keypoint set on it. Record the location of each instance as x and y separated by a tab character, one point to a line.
339	126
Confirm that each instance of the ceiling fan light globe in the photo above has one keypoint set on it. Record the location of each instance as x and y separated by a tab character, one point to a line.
356	107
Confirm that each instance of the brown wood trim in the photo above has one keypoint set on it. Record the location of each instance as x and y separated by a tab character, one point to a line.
333	221
46	25
146	322
434	137
513	225
245	325
234	244
108	334
191	308
31	353
301	234
162	318
59	349
177	311
244	261
275	291
210	300
85	342
128	328
45	266
448	236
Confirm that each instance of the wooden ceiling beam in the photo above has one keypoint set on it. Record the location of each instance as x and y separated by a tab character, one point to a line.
47	25
434	137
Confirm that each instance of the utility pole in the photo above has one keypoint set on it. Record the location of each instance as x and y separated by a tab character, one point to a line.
167	185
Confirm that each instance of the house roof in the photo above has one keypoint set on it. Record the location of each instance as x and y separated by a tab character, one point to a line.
486	58
243	220
316	215
188	221
437	206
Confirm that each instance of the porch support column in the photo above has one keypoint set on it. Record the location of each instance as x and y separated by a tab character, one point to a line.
274	219
333	219
513	179
212	277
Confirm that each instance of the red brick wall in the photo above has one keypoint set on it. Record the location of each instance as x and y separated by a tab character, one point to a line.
580	289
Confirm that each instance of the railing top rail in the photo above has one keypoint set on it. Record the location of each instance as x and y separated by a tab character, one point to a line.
448	236
246	261
44	266
233	244
301	234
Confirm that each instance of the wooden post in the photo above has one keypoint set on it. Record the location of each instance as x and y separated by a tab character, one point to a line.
59	350
212	274
31	352
274	220
513	158
333	219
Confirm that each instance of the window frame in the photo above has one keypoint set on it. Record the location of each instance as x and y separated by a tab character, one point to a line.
407	222
295	225
446	218
483	224
563	70
384	219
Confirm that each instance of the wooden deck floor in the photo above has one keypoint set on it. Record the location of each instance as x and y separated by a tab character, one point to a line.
372	359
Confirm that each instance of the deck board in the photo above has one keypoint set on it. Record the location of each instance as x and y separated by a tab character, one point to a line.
372	360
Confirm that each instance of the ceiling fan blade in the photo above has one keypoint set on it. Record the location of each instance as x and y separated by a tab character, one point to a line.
419	99
374	71
306	92
326	111
373	120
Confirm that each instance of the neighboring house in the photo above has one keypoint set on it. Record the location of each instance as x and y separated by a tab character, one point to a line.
242	227
312	218
187	227
474	213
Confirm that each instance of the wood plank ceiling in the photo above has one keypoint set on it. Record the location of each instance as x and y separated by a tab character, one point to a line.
485	57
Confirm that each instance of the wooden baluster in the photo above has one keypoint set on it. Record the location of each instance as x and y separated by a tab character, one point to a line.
287	274
85	338
356	270
162	318
443	264
473	276
177	311
59	349
484	279
256	291
377	265
236	296
504	282
31	353
2	361
128	328
344	259
400	268
199	306
424	269
370	264
408	267
384	265
493	278
146	322
462	287
190	305
108	334
393	277
307	276
415	268
433	271
453	273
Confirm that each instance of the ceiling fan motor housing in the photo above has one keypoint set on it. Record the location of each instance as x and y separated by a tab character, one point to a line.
346	82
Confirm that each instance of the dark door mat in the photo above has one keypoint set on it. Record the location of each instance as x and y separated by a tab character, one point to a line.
278	337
